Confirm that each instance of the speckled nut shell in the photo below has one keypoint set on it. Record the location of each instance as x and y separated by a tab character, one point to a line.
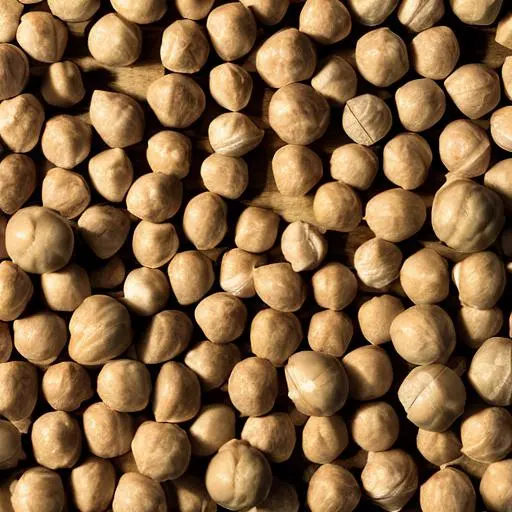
14	66
10	13
239	476
141	12
317	383
21	120
482	12
18	389
337	207
334	286
495	486
268	12
232	30
42	36
278	286
104	229
297	169
111	174
226	176
252	386
194	9
66	385
303	246
11	452
161	450
234	134
375	317
333	488
467	216
371	12
15	291
140	492
191	276
438	448
256	229
324	438
169	152
330	332
236	271
298	114
17	181
230	86
154	244
448	488
355	165
390	479
497	179
325	21
66	141
100	330
66	192
501	128
493	382
115	41
366	119
177	394
433	397
335	80
435	52
423	334
62	85
177	100
286	57
146	291
185	47
475	326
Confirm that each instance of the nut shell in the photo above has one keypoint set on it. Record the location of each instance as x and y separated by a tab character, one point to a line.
62	85
325	21
14	66
16	290
141	12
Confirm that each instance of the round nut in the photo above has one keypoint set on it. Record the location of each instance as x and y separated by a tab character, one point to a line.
170	153
268	12
476	12
17	181
62	85
282	496
330	332
16	291
325	21
141	12
146	291
189	492
194	9
355	165
474	326
74	10
18	389
11	11
14	67
438	448
256	229
138	491
153	244
335	80
230	86
501	128
420	15
11	452
108	275
376	316
334	286
236	272
303	246
324	438
497	179
371	12
226	176
496	484
6	344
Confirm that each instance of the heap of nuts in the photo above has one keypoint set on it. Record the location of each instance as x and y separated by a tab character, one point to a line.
169	344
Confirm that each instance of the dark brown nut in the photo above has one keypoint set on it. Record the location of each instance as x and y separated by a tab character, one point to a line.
433	397
420	104
497	179
191	276
448	487
146	291
169	152
230	86
38	489
62	85
435	52
333	488
74	10
111	174
377	262
425	278
420	15
491	381
14	67
275	335
317	383
296	169
236	272
282	497
110	275
256	229
324	438
474	326
66	385
212	363
15	291
115	41
337	207
65	289
376	316
366	119
104	229
355	165
232	30
396	214
225	175
177	394
239	476
194	9
334	286
476	13
153	244
252	386
40	337
501	128
66	141
141	12
273	435
390	479
286	57
205	220
66	192
42	36
56	440
423	334
100	330
92	484
325	21
438	448
11	451
177	100
371	12
185	47
21	120
189	493
467	216
496	484
279	287
330	332
138	491
6	344
375	426
17	181
39	240
381	57
10	13
298	114
369	372
335	80
303	246
268	12
213	427
161	450
18	389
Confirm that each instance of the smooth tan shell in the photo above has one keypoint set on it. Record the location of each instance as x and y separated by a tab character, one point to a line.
18	179
18	389
282	497
146	291
11	451
74	10
256	229
139	492
15	68
495	486
375	317
236	270
497	179
371	12
9	19
355	165
475	326
476	13
225	175
501	128
324	438
419	15
190	494
330	332
438	448
141	12
231	86
336	80
169	152
154	244
62	85
16	290
325	21
334	286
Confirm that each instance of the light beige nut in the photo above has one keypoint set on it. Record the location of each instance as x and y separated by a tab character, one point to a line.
19	389
438	448
189	492
11	451
16	290
14	66
371	12
325	21
6	344
504	31
62	85
334	286
256	229
355	165
74	10
475	326
375	317
139	491
10	13
236	270
230	86
226	176
495	485
282	496
303	246
146	291
268	12
324	438
476	12
335	80
141	12
501	128
194	9
330	332
154	245
169	152
497	179
420	15
17	181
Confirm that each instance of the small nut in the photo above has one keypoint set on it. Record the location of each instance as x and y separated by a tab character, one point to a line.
268	12
146	291
419	15
282	497
335	80
236	271
16	291
495	485
497	179
501	128
303	246
17	181
230	86
14	67
256	229
475	326
194	9
74	10
62	85
138	491
438	448
5	342
324	438
371	12
226	176
109	275
506	75
376	316
10	13
11	452
153	244
334	286
18	389
330	332
355	165
325	21
189	492
476	12
170	153
504	31
141	12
